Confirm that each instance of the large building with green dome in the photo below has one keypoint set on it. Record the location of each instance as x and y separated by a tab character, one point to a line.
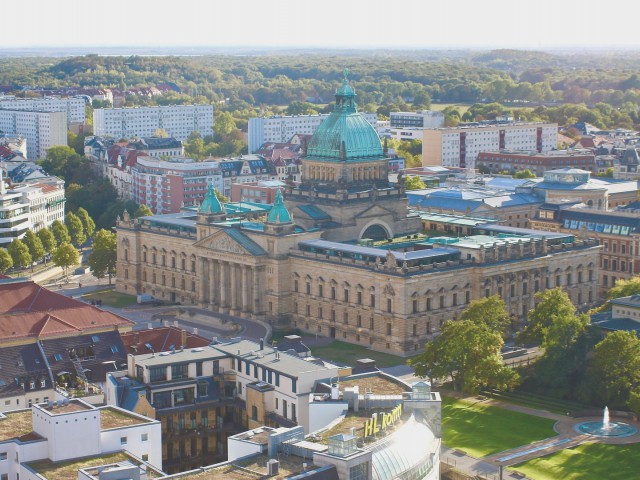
340	256
345	189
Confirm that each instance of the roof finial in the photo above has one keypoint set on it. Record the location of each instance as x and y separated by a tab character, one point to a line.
345	73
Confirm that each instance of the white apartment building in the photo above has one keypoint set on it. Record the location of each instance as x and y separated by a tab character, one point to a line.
68	431
74	106
280	129
421	119
42	130
460	146
177	120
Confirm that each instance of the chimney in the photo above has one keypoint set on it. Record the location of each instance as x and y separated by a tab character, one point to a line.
150	326
183	338
195	330
262	344
175	323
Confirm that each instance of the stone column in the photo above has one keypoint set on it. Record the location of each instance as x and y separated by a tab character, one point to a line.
244	287
255	293
223	283
203	282
212	282
233	284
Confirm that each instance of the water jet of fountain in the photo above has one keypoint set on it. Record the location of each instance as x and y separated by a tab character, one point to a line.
606	424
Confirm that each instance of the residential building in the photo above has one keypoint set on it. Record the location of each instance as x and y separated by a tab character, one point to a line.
624	314
627	165
203	395
73	106
46	199
177	120
421	119
159	146
263	191
48	340
281	128
73	439
459	146
406	133
538	163
14	214
42	130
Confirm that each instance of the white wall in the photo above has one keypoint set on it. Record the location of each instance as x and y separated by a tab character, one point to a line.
241	448
322	414
110	440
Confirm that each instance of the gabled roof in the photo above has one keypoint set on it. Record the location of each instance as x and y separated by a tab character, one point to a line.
21	295
160	340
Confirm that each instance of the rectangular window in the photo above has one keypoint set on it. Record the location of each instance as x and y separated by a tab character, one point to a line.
454	300
144	437
389	305
359	298
179	371
320	290
388	329
441	301
157	374
3	455
123	440
428	304
346	295
415	306
373	300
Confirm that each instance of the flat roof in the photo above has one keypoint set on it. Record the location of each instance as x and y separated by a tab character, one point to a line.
378	252
66	407
111	417
494	227
16	425
69	469
178	356
290	365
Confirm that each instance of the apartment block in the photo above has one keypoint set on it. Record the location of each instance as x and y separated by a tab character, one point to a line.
42	130
177	120
73	106
460	146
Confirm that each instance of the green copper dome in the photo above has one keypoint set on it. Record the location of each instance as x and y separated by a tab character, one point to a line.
211	204
345	135
279	213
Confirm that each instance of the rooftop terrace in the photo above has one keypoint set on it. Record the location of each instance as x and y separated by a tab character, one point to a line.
113	418
16	425
69	470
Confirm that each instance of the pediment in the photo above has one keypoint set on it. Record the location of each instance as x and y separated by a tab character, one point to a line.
222	242
375	211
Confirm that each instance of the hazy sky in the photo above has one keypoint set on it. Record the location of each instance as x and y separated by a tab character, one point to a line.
532	24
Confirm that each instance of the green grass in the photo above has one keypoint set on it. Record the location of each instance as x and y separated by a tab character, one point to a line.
111	297
589	461
481	430
346	354
438	107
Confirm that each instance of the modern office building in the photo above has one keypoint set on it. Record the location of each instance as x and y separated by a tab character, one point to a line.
460	146
280	129
42	130
177	120
73	106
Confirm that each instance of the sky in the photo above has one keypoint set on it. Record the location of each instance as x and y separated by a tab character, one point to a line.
528	24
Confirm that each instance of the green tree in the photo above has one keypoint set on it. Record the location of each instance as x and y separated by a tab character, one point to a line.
142	211
65	256
19	253
489	311
6	262
550	305
221	197
87	222
48	240
301	108
414	183
469	353
102	259
75	228
60	232
615	367
624	288
223	124
34	244
524	174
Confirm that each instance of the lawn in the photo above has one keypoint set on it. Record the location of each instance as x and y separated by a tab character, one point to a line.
111	297
589	461
438	107
346	354
480	429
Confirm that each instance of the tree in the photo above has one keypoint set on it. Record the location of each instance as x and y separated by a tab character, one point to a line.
161	132
223	124
47	239
34	244
60	232
524	174
470	354
490	311
6	262
550	305
414	183
624	288
142	211
19	253
615	367
75	228
221	197
87	222
65	256
102	259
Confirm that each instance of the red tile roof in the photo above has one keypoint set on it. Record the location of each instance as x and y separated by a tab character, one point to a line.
160	339
29	310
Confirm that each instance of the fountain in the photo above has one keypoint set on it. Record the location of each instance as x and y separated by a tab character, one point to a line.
606	428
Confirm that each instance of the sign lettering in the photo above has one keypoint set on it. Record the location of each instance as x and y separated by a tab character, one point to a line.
386	420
